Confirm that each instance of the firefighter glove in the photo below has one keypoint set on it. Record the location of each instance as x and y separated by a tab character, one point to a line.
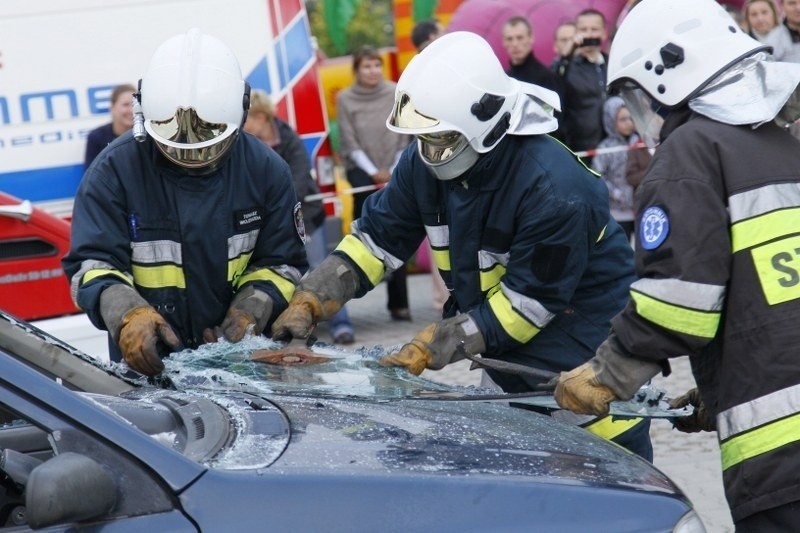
609	375
250	310
699	420
319	296
438	345
143	337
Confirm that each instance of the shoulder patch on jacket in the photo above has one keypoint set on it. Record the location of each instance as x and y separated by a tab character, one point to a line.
653	227
299	225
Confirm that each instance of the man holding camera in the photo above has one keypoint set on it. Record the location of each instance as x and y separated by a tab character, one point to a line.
583	75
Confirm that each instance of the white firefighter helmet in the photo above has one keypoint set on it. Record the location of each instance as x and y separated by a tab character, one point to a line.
194	99
456	98
670	50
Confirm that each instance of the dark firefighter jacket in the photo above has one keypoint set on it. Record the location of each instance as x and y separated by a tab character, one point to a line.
718	254
186	243
525	243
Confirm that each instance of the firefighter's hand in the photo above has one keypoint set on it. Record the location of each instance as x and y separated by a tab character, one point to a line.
699	420
580	391
143	335
249	311
299	319
438	345
612	374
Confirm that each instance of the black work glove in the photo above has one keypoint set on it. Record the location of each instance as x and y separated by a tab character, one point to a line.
699	420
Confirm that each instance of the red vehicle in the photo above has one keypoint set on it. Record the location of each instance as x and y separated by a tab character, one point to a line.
32	243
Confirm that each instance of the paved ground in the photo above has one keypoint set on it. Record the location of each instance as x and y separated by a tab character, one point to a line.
691	460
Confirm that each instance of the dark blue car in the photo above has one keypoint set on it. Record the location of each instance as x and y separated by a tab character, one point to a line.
221	442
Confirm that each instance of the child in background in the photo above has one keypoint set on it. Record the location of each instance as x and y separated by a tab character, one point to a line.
620	131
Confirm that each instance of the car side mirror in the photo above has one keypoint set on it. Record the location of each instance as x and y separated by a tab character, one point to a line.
68	488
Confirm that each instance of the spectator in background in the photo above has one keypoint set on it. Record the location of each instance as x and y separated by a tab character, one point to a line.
785	38
121	121
583	75
563	42
369	150
759	17
278	135
518	41
620	132
425	32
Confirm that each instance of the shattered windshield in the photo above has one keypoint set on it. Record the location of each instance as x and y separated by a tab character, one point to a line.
258	364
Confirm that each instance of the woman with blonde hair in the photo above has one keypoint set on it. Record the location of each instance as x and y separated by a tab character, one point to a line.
759	17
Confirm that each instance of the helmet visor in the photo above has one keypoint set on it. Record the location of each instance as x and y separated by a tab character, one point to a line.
442	146
189	141
186	127
645	112
405	116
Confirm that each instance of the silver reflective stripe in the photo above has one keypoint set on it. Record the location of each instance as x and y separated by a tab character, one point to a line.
242	244
438	236
700	296
487	260
154	252
528	307
285	271
86	266
392	263
568	417
749	204
758	412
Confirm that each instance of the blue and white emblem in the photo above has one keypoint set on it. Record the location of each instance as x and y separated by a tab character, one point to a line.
653	228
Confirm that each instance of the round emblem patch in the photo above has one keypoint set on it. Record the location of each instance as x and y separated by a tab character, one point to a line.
653	228
299	225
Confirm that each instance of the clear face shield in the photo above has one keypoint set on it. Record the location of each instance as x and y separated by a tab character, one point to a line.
647	114
189	141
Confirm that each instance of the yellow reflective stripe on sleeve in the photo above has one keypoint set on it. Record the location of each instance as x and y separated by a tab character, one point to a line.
237	266
491	277
157	277
360	254
285	287
98	272
754	231
760	441
778	267
513	323
442	259
602	232
609	427
680	319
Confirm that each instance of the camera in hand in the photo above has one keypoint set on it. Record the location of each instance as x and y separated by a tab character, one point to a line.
591	41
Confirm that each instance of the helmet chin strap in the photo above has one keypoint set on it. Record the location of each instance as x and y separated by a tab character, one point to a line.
453	167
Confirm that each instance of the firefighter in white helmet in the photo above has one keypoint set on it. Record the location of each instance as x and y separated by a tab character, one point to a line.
520	229
717	251
185	230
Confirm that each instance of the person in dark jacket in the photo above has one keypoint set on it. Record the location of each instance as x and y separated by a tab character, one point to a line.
583	75
717	249
281	137
521	230
184	231
121	121
518	41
